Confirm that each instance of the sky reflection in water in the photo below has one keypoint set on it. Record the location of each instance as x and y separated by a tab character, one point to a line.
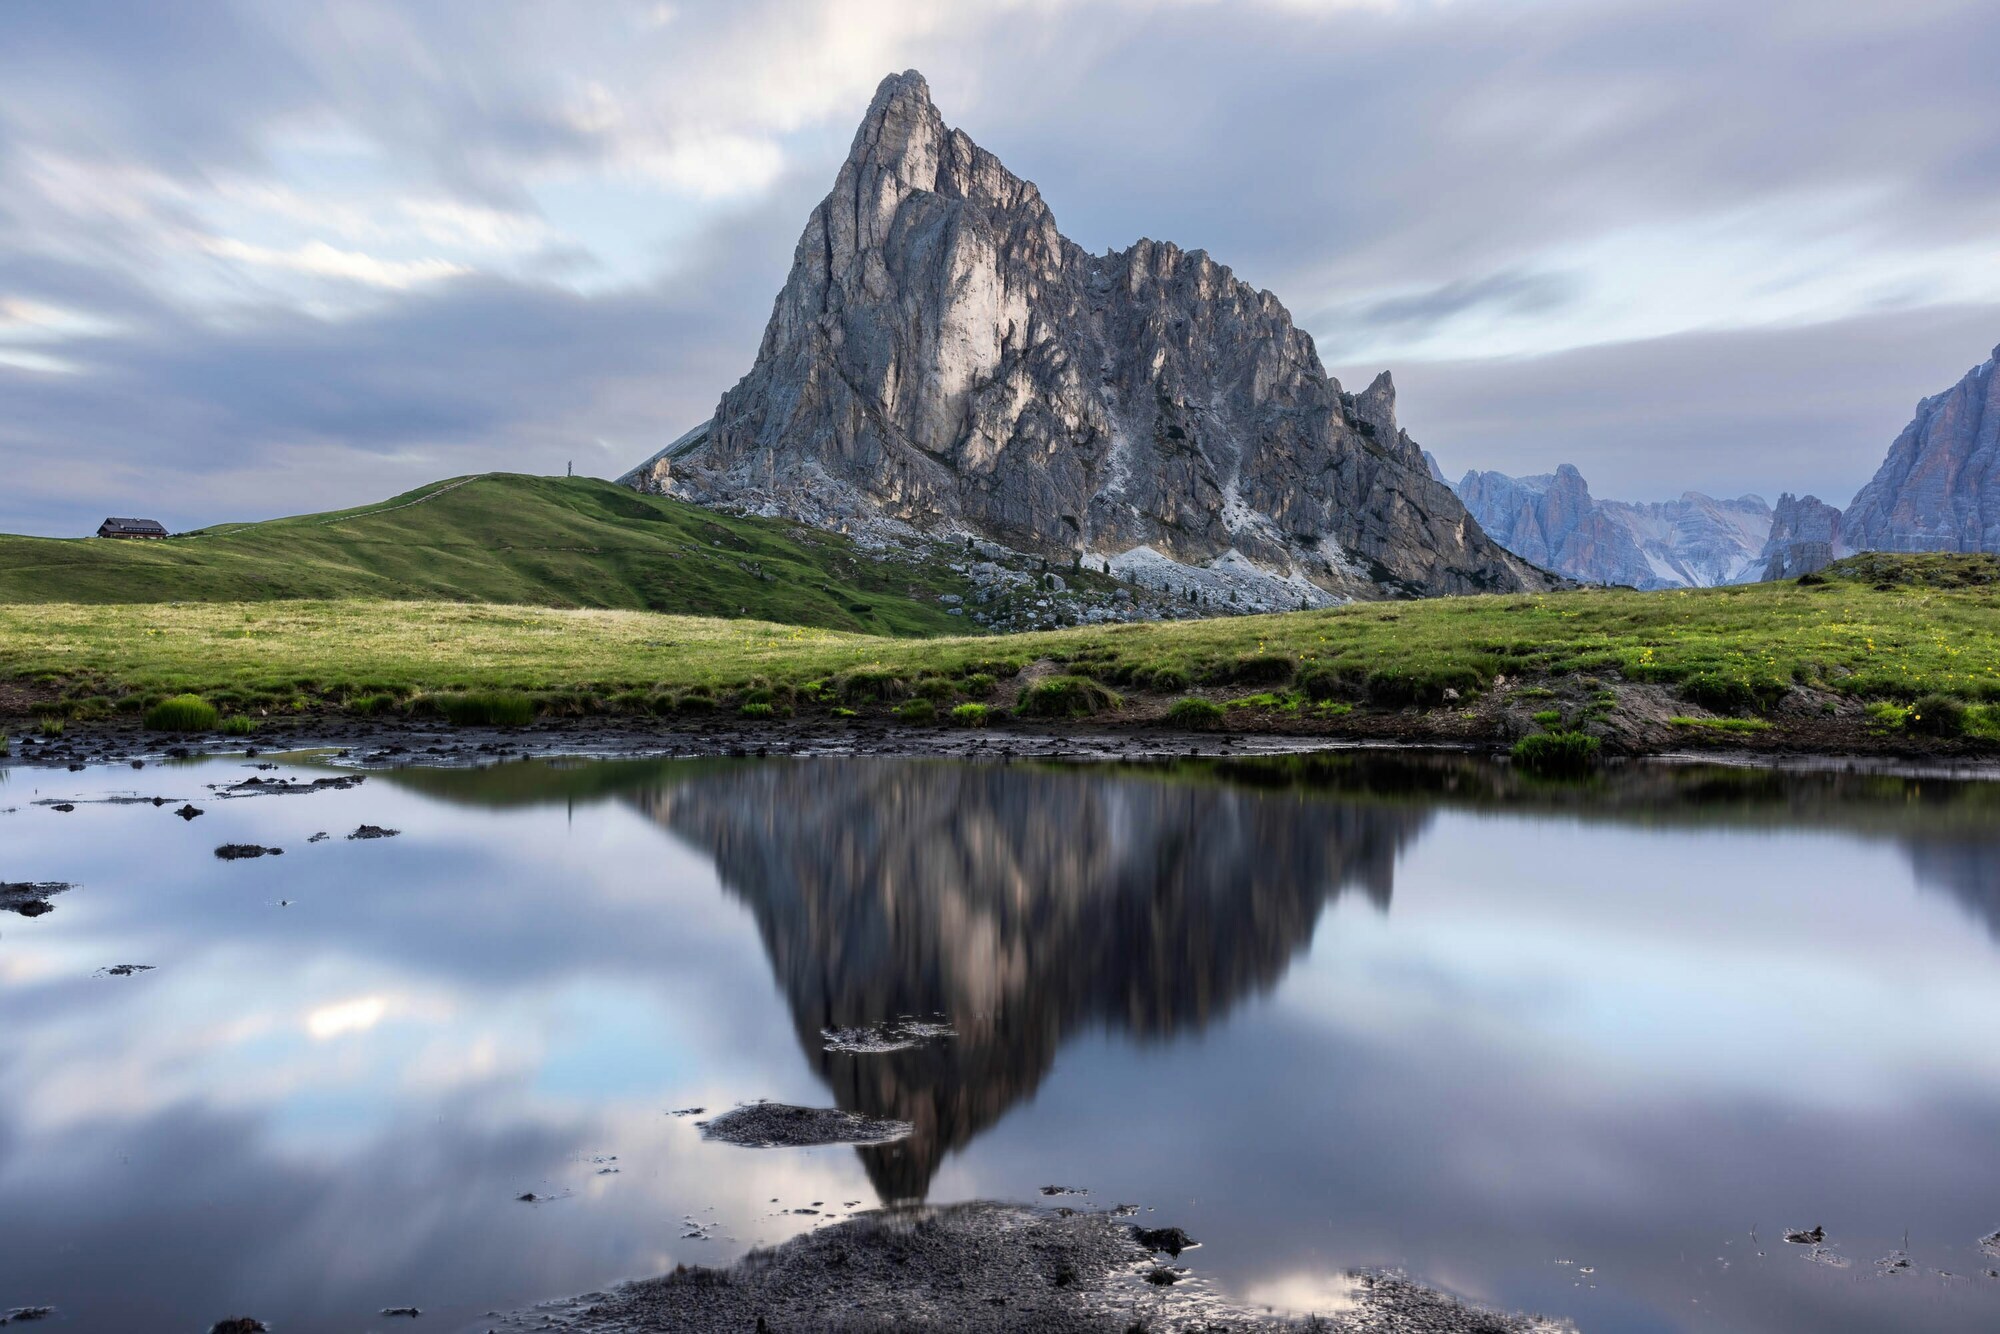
1353	1011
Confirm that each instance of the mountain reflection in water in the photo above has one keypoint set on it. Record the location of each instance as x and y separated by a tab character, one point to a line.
1023	904
1029	902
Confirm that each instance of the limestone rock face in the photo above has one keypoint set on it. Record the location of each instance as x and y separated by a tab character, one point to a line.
943	357
1805	537
1939	488
1553	520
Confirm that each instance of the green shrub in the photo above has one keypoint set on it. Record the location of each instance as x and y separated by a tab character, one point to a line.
660	703
937	689
969	715
1068	697
181	713
1196	715
1937	715
1254	669
1719	692
485	708
980	684
238	725
1163	679
871	683
758	709
1322	682
1424	687
1556	753
917	711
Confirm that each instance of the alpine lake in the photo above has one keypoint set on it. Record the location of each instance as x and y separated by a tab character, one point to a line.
1585	1049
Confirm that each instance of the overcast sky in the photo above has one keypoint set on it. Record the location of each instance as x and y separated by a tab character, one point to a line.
263	258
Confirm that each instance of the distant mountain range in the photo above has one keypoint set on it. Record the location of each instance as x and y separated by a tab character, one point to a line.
1938	490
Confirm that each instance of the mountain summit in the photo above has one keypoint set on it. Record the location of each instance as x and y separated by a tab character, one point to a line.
943	358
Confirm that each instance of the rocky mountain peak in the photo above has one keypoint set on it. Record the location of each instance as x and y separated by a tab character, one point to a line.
1939	487
942	359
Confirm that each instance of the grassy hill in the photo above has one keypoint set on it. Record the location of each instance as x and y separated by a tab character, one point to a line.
506	538
1863	645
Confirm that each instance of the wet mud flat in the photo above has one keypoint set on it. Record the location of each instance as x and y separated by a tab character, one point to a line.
1137	733
983	1267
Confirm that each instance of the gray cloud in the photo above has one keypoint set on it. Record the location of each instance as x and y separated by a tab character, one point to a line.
1392	175
1802	409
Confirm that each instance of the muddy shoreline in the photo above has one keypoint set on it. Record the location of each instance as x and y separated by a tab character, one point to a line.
398	742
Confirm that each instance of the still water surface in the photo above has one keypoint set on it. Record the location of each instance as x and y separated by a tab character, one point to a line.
1581	1050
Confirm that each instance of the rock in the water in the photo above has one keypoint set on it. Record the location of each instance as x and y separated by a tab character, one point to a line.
942	358
1939	488
777	1125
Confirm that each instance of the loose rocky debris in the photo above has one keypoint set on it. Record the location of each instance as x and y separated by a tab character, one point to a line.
1991	1245
234	852
401	1310
22	1315
321	837
373	831
189	811
978	1268
257	786
125	970
687	1111
1805	1237
62	806
1064	1190
1169	1239
776	1125
889	1035
30	898
240	1324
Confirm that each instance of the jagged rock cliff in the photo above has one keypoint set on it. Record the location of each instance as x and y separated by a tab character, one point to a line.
942	357
1553	521
1805	537
1939	488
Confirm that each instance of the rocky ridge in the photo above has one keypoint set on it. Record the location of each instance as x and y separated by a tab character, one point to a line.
943	361
1939	487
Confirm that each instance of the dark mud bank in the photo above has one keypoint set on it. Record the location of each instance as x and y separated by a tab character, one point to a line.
983	1267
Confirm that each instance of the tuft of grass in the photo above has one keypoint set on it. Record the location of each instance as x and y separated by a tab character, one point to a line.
1723	724
51	726
871	684
917	711
1254	669
970	715
1555	754
1197	714
1937	715
757	708
1549	717
485	708
1068	697
368	706
977	684
1422	685
1267	699
6	744
1163	679
238	724
182	713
